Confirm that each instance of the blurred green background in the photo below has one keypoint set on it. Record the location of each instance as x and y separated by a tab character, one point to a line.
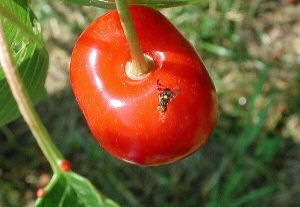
252	51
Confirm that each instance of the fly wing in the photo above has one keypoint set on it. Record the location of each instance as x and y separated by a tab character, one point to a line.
175	92
160	86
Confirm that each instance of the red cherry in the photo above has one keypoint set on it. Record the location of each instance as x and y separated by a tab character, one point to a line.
164	117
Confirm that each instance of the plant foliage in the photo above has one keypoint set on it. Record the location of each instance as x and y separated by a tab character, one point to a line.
152	3
69	189
28	51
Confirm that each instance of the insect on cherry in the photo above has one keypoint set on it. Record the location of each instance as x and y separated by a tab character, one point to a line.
165	96
156	123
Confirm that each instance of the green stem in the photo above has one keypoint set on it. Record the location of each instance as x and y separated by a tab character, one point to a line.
140	63
26	107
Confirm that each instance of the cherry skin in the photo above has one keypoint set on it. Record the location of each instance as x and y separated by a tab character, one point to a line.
128	117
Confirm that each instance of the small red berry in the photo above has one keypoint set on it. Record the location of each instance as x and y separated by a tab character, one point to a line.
40	193
292	1
65	165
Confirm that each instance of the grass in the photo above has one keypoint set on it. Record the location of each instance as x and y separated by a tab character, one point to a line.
252	158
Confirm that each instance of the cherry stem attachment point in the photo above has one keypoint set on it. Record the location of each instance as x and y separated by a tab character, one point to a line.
140	63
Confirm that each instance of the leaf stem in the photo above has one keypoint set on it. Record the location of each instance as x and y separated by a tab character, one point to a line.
140	63
26	107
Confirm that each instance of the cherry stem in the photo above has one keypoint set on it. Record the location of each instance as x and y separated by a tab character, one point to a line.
26	107
140	63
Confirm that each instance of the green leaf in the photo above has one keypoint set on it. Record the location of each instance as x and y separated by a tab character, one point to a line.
253	129
27	49
254	196
69	189
217	50
152	3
